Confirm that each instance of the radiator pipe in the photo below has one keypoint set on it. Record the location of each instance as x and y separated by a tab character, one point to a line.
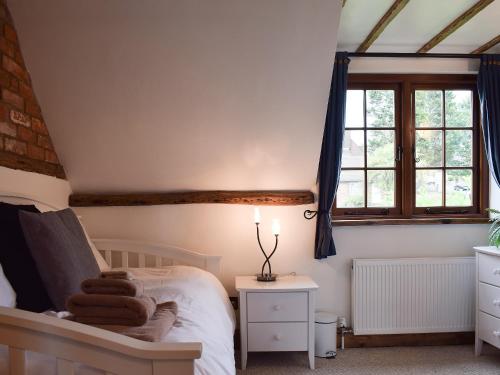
343	332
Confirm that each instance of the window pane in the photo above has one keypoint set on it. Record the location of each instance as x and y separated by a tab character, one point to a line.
459	148
353	149
380	151
458	108
351	191
380	108
355	116
429	188
380	188
429	148
428	109
458	187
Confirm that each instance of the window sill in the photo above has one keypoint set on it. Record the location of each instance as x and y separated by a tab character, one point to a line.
410	221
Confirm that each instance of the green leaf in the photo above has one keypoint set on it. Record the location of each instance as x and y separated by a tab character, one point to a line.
494	231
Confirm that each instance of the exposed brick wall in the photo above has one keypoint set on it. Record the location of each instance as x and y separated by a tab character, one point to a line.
24	139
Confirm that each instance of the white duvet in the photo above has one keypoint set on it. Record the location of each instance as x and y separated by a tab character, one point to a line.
204	315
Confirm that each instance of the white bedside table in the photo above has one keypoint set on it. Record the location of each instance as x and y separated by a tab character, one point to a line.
276	315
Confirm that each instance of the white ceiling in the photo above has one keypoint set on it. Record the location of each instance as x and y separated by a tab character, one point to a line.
182	94
416	24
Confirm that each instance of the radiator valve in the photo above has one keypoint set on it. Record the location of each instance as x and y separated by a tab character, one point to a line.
343	332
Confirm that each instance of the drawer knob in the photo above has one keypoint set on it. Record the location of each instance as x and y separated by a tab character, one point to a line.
277	307
496	333
277	336
496	302
496	271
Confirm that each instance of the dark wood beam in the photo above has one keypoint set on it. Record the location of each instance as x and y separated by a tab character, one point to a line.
455	24
382	24
257	197
409	339
14	161
485	47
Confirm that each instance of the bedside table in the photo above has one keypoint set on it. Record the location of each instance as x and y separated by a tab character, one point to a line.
277	315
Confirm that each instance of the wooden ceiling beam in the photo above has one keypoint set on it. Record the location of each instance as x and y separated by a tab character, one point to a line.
255	197
486	46
382	24
455	25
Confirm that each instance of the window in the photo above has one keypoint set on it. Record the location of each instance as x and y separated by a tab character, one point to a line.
412	149
369	166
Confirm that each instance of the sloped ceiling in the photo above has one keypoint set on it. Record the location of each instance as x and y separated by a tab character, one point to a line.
182	94
417	23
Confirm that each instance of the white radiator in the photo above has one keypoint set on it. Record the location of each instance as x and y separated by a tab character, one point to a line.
413	295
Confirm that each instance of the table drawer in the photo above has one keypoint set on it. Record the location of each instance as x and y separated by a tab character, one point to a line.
489	299
277	307
489	269
489	329
277	337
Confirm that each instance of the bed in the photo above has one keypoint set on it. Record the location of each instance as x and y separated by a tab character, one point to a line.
201	341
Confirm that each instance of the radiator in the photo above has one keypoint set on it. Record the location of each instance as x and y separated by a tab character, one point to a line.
413	295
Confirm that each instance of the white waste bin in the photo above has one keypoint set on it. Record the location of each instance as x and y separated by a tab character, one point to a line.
326	334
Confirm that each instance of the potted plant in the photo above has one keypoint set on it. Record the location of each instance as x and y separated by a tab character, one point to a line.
494	232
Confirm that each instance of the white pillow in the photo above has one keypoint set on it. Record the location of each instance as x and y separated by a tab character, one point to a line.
7	294
101	262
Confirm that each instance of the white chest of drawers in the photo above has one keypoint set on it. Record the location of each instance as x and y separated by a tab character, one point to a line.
276	316
487	297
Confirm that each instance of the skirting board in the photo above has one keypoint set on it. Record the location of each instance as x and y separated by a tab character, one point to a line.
407	339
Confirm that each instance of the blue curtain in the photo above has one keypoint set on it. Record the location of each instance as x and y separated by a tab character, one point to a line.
331	155
488	85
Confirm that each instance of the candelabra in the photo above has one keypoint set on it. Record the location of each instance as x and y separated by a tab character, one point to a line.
268	276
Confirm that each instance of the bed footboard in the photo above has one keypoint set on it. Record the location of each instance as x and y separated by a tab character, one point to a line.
71	343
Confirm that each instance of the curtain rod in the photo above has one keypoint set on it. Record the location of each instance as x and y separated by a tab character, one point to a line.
416	55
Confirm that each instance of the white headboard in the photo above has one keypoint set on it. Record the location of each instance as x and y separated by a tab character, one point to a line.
132	253
17	198
142	254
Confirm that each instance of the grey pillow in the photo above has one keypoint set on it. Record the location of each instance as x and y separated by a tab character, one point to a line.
61	252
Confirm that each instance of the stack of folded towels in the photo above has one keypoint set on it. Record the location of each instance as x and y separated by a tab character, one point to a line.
117	303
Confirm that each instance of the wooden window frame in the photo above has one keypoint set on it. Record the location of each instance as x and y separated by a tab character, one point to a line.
405	211
374	211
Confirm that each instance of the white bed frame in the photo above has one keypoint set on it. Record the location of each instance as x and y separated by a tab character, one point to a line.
72	343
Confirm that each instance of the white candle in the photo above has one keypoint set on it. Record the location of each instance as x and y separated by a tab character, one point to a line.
276	227
256	215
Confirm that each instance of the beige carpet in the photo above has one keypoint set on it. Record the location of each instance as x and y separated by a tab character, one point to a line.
442	360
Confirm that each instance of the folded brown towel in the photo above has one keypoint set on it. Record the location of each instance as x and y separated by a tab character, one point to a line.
108	309
116	275
119	287
154	329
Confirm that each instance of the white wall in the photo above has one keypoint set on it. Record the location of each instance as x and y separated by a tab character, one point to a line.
494	194
413	65
228	230
182	94
44	188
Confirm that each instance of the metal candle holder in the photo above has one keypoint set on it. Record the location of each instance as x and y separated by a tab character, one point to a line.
269	276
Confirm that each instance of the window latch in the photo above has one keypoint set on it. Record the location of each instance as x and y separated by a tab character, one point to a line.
399	153
417	160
